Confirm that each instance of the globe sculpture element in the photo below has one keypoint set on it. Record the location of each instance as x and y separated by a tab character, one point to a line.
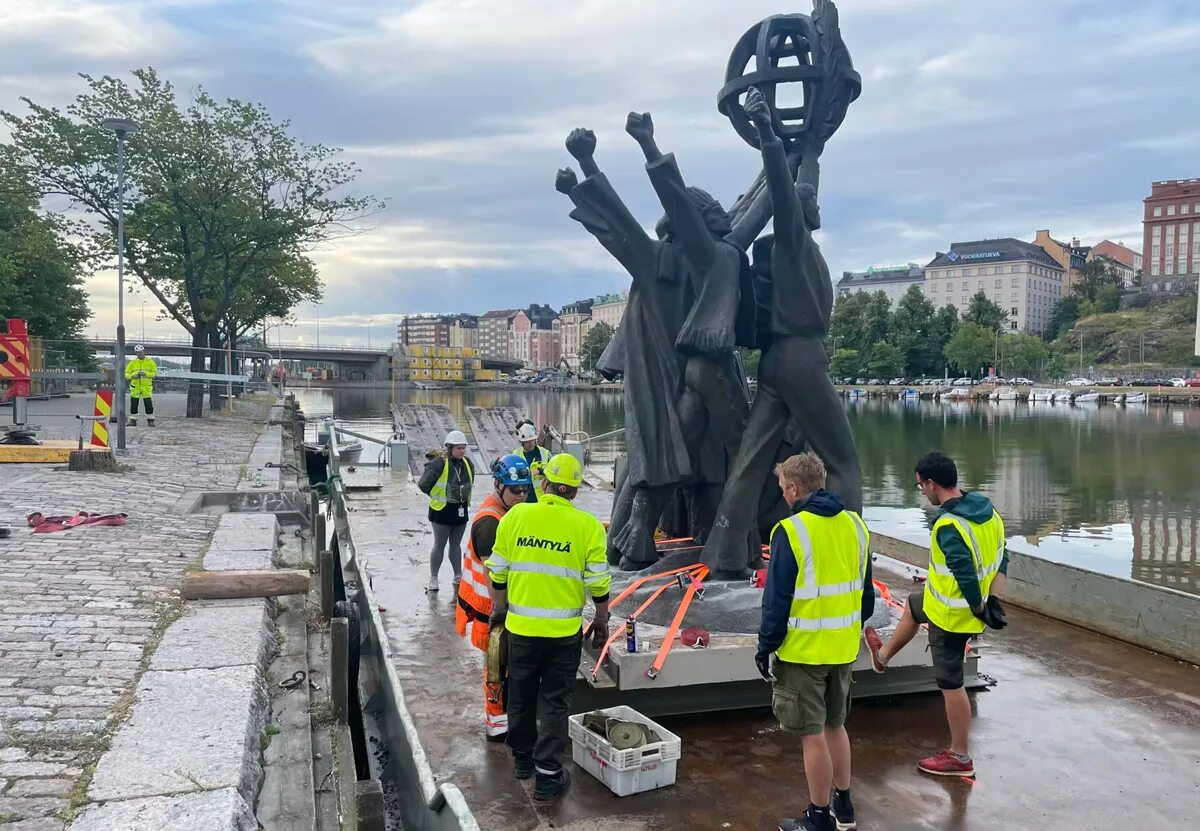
793	49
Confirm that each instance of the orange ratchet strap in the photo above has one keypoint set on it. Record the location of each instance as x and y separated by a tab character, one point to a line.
672	631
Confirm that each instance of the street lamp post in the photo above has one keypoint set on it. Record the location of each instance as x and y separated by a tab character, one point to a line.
122	127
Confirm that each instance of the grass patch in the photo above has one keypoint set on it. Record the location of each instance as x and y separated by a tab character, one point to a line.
264	741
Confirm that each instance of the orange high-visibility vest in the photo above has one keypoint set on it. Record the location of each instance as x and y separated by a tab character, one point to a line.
474	599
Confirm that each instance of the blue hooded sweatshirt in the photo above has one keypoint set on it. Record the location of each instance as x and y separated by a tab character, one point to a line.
783	571
975	507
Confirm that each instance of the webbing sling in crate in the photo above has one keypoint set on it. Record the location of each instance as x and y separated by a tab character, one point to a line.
630	771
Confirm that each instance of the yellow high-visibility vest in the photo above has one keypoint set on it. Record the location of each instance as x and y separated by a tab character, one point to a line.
437	494
826	615
945	605
550	556
140	374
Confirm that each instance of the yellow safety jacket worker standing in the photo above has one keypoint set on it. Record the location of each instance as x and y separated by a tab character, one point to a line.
826	615
945	605
437	494
140	373
535	467
547	555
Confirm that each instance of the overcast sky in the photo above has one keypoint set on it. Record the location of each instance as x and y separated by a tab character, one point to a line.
977	119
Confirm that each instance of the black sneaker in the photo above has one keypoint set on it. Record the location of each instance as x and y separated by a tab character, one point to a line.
806	823
549	787
523	767
843	812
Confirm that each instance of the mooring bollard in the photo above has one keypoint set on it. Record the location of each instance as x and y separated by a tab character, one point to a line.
339	668
368	794
325	567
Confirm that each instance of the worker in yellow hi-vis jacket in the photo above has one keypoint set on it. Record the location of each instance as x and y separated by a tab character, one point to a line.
140	373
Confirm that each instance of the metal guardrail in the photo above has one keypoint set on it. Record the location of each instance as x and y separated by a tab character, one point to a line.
425	802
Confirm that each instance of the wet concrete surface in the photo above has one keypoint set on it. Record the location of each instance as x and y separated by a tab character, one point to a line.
1080	732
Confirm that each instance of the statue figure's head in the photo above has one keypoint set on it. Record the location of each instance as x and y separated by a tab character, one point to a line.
715	217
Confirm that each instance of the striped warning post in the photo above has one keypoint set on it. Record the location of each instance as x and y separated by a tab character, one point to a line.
104	403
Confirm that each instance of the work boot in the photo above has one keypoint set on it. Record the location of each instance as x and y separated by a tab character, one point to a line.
874	646
552	786
946	764
811	821
131	423
522	767
150	422
843	811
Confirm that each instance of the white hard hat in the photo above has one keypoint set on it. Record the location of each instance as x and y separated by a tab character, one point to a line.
455	437
139	348
527	432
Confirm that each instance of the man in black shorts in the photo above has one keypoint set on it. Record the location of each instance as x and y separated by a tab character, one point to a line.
967	564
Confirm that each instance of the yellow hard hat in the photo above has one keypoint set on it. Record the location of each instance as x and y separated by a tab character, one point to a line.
564	469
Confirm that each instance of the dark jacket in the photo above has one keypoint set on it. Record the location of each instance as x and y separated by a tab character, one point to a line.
783	571
974	507
455	513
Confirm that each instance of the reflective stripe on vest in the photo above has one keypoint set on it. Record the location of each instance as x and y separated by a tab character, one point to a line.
945	605
474	592
546	614
826	614
437	494
535	468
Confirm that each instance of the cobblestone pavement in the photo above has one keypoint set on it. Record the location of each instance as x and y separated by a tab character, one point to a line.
81	610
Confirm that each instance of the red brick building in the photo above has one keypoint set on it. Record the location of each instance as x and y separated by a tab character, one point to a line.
1171	237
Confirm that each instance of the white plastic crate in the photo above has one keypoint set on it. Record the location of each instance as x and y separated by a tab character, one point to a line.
631	771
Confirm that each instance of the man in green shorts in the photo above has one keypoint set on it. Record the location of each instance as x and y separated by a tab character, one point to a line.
818	594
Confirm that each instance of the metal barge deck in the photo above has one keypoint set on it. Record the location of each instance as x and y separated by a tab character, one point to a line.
1080	731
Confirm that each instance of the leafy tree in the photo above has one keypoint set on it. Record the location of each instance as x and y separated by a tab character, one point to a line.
41	269
945	324
847	326
221	200
1095	276
913	333
1023	353
971	347
886	362
877	320
846	363
987	314
1066	312
594	343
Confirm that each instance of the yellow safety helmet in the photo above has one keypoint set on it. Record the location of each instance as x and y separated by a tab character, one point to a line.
564	469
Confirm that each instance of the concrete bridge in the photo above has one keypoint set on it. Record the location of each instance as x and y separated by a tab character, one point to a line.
352	363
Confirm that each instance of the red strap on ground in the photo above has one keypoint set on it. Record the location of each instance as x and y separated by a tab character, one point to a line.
48	524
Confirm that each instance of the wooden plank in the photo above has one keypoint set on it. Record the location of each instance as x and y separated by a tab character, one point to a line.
223	585
48	452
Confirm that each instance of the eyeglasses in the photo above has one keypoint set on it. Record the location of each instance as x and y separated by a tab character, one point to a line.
918	485
518	490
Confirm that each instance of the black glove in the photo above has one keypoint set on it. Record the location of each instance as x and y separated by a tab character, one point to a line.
763	661
992	613
597	630
497	618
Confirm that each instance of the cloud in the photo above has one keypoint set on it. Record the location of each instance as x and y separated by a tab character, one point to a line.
975	120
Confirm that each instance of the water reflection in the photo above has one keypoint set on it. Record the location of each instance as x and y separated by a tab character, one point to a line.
1108	488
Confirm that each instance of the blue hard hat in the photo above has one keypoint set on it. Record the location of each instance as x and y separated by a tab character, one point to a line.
512	470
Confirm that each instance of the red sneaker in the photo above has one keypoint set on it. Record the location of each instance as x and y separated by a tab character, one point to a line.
946	764
874	644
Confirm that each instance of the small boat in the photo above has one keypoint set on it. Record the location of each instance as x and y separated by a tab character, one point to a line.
1061	396
957	394
856	393
1007	394
1041	394
1134	398
994	395
910	394
1088	398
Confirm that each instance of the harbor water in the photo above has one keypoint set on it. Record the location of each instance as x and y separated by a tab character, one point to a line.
1112	489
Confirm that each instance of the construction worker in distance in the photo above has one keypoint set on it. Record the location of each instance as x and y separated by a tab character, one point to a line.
511	476
549	556
968	562
447	479
536	457
140	373
817	596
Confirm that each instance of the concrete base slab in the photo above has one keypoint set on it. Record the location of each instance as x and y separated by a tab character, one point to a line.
208	637
220	810
190	729
243	542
